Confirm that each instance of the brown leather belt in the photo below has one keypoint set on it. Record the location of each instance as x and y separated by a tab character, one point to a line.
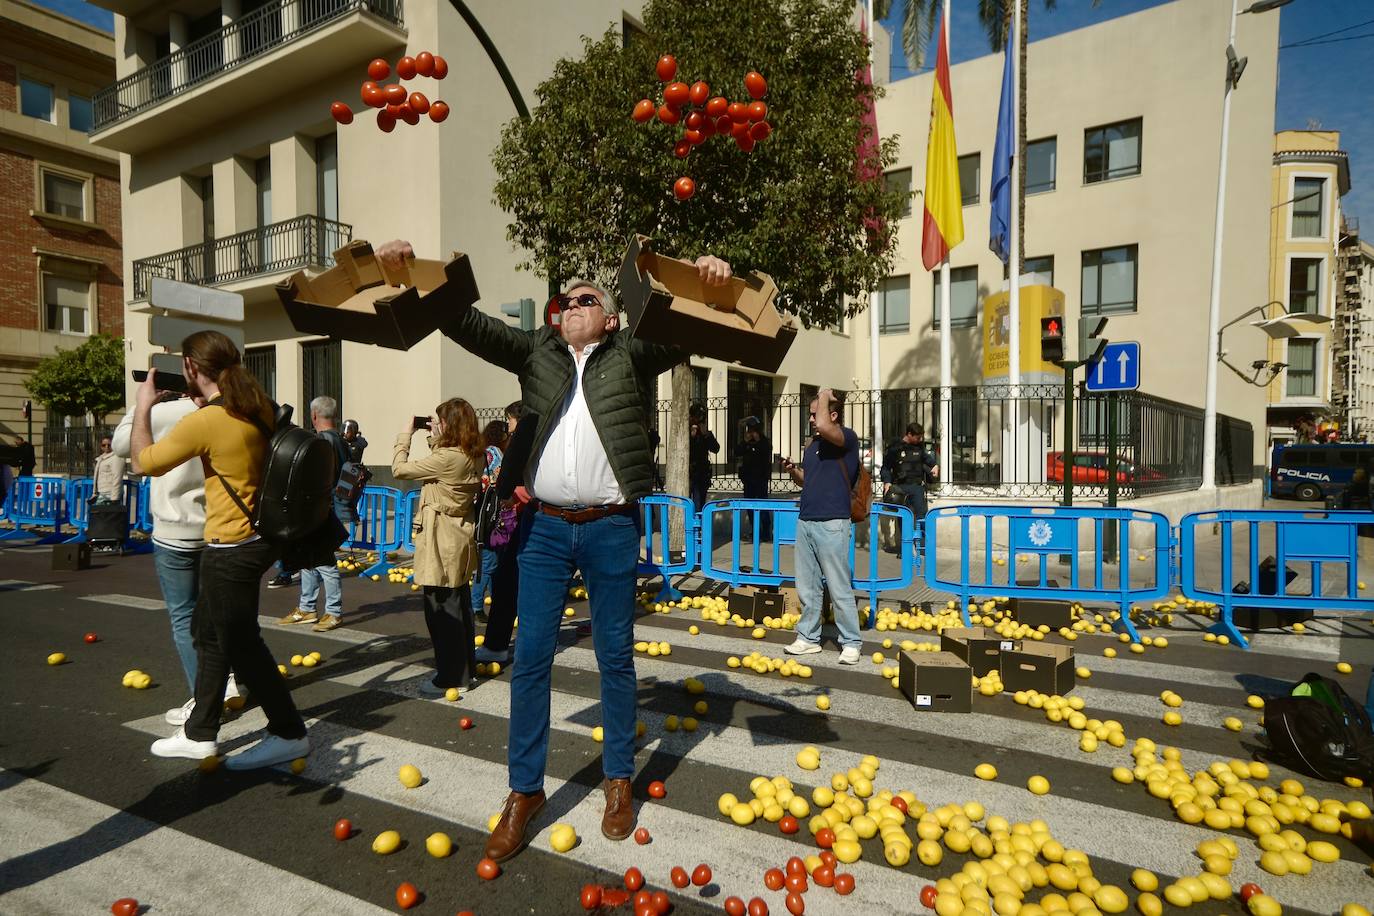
589	514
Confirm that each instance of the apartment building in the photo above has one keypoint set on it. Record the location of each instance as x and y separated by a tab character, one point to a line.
1353	336
60	232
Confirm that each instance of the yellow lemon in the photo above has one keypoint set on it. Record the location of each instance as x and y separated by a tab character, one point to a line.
309	661
142	682
1038	785
452	694
387	842
438	845
1254	702
296	660
1232	724
1343	667
598	734
298	766
985	771
1109	652
1083	673
742	814
410	776
689	724
822	702
562	837
1144	880
1123	775
694	630
1264	905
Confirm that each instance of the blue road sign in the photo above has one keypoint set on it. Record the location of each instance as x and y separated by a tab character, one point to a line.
1118	369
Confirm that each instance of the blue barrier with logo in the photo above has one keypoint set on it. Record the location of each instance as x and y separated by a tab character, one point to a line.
655	558
80	491
1040	532
1294	538
36	502
382	524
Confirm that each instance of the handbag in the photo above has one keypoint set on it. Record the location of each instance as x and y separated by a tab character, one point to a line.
488	515
860	492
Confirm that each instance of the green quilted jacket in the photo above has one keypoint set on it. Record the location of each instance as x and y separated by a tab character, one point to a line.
618	381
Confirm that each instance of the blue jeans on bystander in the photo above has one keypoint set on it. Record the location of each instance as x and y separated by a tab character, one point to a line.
178	575
822	552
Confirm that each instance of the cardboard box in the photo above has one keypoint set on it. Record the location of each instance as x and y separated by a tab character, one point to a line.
1036	613
1046	667
750	601
935	681
666	303
71	556
360	300
979	647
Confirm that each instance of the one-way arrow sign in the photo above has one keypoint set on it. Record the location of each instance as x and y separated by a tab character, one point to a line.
1118	369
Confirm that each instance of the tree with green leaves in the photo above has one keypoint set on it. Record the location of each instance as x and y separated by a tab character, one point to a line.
579	177
88	380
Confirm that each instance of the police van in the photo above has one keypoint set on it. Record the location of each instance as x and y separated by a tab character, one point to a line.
1312	472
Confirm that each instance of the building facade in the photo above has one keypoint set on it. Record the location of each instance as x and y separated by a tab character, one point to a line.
1354	332
60	230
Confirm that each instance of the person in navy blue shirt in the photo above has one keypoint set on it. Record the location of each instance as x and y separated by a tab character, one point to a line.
826	476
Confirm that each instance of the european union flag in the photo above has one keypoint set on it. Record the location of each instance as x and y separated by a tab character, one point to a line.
1002	155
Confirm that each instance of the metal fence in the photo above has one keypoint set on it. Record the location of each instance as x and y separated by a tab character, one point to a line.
72	450
1005	443
247	38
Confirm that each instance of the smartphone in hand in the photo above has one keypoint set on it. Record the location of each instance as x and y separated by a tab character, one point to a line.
421	423
166	381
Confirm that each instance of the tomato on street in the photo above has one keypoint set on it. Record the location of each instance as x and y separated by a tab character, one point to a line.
656	788
679	877
797	883
379	69
734	906
91	637
464	723
591	896
487	869
634	879
824	875
825	838
788	824
661	902
406	895
701	875
343	828
928	895
755	84
844	884
666	68
757	907
124	906
795	905
795	866
773	879
642	836
897	801
1249	890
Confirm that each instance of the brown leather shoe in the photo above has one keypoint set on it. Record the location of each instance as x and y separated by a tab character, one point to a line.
619	820
509	836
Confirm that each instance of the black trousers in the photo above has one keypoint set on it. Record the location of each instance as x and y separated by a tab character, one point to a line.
224	630
448	614
505	587
757	488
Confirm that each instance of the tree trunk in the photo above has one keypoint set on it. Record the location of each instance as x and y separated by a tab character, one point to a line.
675	441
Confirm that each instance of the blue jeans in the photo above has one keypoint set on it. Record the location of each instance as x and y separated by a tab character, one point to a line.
481	587
312	579
178	575
822	551
607	551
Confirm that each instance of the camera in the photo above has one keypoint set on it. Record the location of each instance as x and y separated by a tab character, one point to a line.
421	423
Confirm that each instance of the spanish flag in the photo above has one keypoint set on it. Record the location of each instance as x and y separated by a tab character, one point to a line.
944	206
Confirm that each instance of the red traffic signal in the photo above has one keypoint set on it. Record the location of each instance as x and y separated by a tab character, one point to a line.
1052	338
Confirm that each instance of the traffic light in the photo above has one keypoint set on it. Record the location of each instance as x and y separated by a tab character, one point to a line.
1052	338
523	310
1091	341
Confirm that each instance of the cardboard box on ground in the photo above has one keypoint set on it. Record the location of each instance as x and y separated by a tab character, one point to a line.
1044	667
1036	613
666	302
361	300
749	601
935	681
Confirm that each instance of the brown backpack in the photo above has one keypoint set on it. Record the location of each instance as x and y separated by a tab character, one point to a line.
860	493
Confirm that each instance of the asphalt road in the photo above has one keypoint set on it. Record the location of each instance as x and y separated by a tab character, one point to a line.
87	815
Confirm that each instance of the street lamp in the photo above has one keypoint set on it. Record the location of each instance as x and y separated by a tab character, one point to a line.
1235	66
1278	328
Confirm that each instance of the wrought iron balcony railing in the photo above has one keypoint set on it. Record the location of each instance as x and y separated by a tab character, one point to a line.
263	30
294	244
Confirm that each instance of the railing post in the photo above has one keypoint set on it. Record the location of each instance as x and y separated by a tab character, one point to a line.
179	36
290	17
230	11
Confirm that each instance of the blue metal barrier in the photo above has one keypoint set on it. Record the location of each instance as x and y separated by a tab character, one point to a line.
36	502
1044	531
79	493
382	525
656	559
907	549
1289	536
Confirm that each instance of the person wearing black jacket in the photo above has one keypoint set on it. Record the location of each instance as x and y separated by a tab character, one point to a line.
908	468
702	444
505	579
755	452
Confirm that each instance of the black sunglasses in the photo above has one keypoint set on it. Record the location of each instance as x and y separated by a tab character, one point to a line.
584	301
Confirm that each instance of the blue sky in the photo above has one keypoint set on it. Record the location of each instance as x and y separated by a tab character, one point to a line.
1326	83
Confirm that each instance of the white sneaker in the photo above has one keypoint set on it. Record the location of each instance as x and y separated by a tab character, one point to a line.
179	715
270	750
802	647
849	655
180	746
231	689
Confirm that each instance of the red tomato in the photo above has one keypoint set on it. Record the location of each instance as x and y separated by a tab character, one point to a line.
406	895
680	149
379	69
642	836
679	877
676	94
91	637
645	898
464	723
828	858
424	63
701	875
591	896
745	143
760	131
825	838
668	115
795	905
757	907
395	93
419	102
734	906
723	124
699	92
695	120
691	138
487	869
1249	890
661	903
124	906
797	883
794	866
844	884
368	90
656	788
717	107
666	67
612	897
788	824
773	879
646	910
405	68
440	67
738	111
343	828
386	121
824	875
409	115
644	110
438	112
755	84
897	801
928	895
757	111
634	879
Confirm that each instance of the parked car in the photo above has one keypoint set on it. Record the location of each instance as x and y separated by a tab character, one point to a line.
1091	467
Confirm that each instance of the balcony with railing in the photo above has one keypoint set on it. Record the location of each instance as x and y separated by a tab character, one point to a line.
304	242
283	43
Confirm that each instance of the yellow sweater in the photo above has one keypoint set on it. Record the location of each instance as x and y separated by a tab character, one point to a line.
227	446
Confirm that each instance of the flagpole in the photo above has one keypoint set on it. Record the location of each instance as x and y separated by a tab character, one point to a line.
1014	230
946	462
874	368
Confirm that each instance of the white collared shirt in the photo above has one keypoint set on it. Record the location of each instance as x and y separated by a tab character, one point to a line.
572	469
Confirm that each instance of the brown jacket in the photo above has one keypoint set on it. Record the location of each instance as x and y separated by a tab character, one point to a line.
445	531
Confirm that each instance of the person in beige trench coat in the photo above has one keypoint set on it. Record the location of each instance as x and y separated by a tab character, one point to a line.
445	534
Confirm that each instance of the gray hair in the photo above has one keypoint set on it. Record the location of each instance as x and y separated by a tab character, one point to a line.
608	303
325	407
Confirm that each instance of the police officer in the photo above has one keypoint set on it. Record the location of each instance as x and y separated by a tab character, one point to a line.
908	468
755	454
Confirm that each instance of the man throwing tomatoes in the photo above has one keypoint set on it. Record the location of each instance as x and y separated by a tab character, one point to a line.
585	389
